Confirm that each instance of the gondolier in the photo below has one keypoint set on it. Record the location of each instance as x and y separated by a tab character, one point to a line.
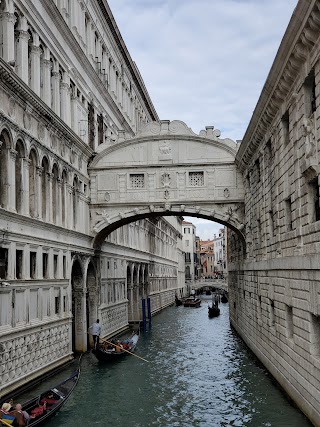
95	330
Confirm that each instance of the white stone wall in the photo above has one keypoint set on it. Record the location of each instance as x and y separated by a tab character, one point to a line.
274	291
67	85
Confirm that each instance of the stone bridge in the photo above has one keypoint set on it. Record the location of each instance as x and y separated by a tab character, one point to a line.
166	169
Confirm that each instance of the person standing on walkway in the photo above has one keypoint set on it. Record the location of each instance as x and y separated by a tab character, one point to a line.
95	330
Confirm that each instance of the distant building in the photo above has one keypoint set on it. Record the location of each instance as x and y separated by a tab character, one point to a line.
207	258
220	259
189	247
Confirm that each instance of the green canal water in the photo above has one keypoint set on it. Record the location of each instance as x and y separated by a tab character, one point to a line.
199	374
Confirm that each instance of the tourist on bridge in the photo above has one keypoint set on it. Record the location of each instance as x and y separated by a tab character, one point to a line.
95	329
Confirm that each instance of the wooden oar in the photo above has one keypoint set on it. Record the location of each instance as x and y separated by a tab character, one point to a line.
132	354
5	423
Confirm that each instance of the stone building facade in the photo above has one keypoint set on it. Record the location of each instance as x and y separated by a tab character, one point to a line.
67	85
275	290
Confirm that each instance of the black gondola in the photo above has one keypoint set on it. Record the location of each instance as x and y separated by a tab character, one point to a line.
213	311
224	298
47	404
110	353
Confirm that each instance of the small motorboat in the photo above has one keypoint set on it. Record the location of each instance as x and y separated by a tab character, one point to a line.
110	351
47	404
192	302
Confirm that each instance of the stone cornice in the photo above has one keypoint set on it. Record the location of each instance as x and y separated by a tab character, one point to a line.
299	39
126	56
68	35
13	81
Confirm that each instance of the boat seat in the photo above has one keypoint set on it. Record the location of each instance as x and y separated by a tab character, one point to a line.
36	412
48	401
8	419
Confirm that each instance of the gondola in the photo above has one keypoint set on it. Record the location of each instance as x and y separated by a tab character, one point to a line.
213	311
110	353
47	404
192	302
224	298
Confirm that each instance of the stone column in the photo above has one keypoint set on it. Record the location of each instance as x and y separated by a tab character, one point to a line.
55	76
46	77
8	20
11	261
12	180
74	111
35	65
65	99
39	189
25	187
49	197
26	262
22	63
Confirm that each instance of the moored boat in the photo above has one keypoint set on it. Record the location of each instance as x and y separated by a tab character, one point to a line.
47	404
109	351
192	302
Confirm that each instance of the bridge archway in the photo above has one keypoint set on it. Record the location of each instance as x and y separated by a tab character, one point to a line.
166	170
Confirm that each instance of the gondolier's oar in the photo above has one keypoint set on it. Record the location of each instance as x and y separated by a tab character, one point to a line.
132	354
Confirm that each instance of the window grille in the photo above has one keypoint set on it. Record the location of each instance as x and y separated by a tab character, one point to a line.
137	180
196	179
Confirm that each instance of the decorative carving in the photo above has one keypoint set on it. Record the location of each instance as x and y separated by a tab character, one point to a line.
226	192
165	149
308	131
107	196
27	120
165	179
41	131
151	208
182	208
12	107
167	207
166	194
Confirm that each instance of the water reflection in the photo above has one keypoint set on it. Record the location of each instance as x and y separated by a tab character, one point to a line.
199	374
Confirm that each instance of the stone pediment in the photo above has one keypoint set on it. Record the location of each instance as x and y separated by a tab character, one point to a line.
167	141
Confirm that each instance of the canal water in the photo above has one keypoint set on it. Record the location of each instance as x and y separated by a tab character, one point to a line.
199	374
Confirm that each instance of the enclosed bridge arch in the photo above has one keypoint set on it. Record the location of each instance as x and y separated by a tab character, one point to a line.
166	169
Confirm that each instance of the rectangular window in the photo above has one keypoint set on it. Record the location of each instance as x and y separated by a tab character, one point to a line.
56	304
258	173
285	128
65	304
64	266
315	335
288	213
33	264
45	265
19	263
310	94
137	180
271	223
314	200
196	179
289	321
55	266
3	263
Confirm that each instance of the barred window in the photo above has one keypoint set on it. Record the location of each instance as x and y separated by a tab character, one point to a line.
137	180
196	179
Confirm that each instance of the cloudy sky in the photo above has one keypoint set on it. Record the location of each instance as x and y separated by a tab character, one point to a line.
204	61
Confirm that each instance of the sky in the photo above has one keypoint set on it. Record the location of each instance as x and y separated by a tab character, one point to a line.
204	61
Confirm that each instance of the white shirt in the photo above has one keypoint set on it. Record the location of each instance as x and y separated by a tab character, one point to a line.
95	328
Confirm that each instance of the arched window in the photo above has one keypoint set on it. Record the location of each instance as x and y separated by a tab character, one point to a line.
32	184
44	188
63	198
55	199
19	176
4	185
75	201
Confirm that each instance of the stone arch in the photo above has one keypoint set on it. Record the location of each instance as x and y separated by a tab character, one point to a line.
19	169
5	145
92	296
33	163
79	333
